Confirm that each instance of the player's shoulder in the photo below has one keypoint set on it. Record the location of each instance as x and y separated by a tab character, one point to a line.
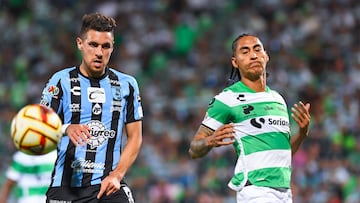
238	87
122	76
62	72
273	92
235	88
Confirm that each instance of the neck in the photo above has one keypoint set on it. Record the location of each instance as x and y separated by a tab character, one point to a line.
91	74
257	85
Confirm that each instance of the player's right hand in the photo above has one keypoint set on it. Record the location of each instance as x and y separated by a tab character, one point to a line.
225	135
78	134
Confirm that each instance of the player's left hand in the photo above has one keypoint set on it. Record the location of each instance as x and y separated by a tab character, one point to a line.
301	114
109	185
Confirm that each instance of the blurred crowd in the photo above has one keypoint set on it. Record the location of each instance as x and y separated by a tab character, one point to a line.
179	51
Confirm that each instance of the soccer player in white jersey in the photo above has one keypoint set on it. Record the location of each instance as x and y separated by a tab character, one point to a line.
255	120
28	177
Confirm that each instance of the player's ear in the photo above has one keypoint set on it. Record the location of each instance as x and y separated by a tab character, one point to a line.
79	43
267	58
233	62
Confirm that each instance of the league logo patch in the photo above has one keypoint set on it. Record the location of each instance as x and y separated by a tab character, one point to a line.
52	90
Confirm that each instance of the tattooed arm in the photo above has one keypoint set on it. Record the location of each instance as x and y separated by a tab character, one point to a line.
205	139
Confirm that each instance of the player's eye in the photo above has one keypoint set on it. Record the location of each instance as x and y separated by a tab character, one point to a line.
244	50
106	46
93	44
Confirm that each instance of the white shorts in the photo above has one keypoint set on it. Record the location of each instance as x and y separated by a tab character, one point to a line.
256	194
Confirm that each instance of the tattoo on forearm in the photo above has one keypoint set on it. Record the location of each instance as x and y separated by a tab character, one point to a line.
198	148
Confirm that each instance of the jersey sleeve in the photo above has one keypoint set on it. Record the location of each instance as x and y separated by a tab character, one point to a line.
134	111
217	114
51	95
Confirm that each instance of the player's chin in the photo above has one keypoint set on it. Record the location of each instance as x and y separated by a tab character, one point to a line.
99	67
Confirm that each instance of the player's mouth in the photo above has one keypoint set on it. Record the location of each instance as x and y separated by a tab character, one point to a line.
98	63
255	65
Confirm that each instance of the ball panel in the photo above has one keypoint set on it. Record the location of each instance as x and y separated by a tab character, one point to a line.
36	129
42	114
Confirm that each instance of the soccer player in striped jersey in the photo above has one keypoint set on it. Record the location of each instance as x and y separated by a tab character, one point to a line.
255	120
102	115
28	177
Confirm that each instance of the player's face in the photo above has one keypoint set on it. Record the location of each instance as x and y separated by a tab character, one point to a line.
96	48
250	57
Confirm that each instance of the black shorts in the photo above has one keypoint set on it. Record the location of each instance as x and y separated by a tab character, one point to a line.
88	195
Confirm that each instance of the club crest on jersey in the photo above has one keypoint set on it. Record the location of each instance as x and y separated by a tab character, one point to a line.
99	133
116	92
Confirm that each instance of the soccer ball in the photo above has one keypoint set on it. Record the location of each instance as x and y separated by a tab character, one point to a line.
36	129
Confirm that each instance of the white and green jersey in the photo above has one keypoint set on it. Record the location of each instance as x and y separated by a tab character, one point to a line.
32	175
262	130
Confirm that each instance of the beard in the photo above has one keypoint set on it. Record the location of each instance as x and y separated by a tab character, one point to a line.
254	76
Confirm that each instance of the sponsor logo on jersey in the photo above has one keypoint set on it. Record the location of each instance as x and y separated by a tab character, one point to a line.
97	109
259	122
140	111
247	109
44	102
115	108
59	201
268	108
241	97
99	133
138	98
87	166
278	108
96	95
280	122
75	107
114	82
116	103
75	91
75	80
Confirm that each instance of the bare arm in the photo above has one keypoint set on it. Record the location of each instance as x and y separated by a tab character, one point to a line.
205	139
300	113
5	192
111	183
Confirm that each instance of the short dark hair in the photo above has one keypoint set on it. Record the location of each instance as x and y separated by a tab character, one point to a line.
98	22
